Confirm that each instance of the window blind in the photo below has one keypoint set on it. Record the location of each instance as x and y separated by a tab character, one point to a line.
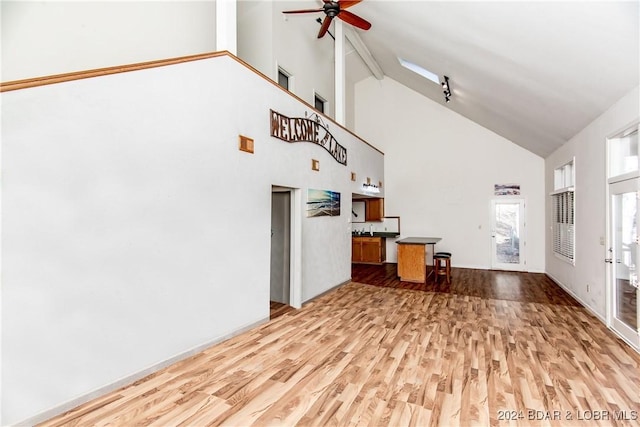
563	229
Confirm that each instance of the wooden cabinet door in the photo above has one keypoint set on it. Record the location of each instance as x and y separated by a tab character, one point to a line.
368	250
374	209
371	250
356	250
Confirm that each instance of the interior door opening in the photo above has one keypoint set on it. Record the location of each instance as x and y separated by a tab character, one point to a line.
280	247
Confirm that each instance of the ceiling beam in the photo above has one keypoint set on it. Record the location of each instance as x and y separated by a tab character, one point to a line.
364	53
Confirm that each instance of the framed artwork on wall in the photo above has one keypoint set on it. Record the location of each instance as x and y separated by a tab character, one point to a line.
323	203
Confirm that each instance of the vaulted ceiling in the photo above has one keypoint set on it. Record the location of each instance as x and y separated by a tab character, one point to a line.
533	72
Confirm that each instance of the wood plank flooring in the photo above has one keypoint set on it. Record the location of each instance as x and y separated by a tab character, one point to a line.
277	309
487	284
367	355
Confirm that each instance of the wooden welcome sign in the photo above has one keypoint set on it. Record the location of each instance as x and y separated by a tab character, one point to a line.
297	129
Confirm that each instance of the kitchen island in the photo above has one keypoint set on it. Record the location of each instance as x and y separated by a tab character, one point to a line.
412	258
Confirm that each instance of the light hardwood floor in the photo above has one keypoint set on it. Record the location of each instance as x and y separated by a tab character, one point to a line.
368	355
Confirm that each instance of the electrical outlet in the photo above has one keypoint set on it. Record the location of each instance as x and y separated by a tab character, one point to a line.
588	287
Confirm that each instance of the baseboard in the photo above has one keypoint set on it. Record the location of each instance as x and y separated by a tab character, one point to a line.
71	404
577	298
595	314
472	267
478	267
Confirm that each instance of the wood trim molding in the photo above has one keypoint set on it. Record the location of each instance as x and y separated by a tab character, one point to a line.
60	78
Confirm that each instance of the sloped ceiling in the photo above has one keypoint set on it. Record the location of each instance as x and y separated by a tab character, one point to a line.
533	72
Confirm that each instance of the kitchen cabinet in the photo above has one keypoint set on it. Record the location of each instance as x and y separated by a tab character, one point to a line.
368	250
374	209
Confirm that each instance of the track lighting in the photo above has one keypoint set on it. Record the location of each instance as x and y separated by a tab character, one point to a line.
447	89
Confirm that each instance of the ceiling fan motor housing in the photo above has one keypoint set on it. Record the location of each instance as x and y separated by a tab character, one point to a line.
331	9
336	9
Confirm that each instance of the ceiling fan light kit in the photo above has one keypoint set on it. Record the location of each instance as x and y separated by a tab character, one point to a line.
334	9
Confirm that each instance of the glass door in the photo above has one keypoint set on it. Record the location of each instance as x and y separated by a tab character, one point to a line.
507	232
623	259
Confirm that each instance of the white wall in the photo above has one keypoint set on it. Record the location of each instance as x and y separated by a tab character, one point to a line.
291	42
440	171
135	230
255	43
53	37
589	149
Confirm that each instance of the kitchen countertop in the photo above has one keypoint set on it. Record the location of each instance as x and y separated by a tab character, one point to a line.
377	234
419	241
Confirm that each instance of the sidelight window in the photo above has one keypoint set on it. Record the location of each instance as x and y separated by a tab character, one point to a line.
563	214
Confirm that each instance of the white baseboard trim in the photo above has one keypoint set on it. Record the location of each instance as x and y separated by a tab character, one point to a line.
73	403
479	267
577	298
597	315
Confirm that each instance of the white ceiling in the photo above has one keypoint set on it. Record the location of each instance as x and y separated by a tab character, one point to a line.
534	72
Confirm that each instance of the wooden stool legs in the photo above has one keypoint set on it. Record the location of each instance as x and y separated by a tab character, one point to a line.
443	266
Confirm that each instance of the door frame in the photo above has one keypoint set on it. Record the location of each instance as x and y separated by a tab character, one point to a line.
522	266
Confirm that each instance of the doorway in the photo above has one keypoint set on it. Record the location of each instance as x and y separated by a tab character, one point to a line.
280	246
623	259
507	234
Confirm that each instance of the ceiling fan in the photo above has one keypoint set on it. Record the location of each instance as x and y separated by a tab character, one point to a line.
333	9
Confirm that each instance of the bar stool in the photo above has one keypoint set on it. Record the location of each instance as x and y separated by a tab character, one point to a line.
442	262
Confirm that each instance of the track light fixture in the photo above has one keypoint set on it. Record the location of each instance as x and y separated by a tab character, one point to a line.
447	89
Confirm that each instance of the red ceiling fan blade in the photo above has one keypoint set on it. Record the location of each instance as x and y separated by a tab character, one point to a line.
325	26
348	3
302	11
354	20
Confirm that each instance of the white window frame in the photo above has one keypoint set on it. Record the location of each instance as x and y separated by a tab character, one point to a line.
289	77
563	242
318	97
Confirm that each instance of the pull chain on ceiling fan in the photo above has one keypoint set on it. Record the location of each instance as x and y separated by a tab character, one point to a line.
334	9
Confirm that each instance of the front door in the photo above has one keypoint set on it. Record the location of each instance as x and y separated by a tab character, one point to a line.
507	234
623	258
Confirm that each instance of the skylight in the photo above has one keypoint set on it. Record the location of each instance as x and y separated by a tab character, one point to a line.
418	69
